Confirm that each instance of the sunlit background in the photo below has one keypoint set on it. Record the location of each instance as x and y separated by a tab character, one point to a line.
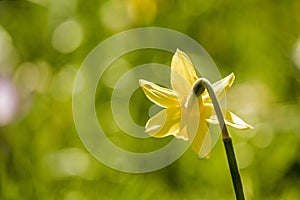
43	43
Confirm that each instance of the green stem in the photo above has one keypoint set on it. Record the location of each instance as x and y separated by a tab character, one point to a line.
199	87
235	175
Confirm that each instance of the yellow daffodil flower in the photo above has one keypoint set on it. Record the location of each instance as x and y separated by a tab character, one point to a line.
169	121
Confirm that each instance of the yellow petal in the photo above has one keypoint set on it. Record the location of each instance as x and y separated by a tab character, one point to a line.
190	117
202	140
230	119
183	74
220	87
196	125
164	123
161	96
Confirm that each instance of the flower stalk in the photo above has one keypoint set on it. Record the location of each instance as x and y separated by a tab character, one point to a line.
199	87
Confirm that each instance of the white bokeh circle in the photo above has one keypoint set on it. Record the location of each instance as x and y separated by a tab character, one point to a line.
89	74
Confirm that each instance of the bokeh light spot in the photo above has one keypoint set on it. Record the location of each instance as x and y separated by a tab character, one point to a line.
27	77
67	36
297	54
114	15
118	14
264	136
8	54
250	99
142	11
62	83
244	155
114	72
68	162
8	101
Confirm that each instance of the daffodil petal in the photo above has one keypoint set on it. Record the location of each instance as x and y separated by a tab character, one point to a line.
164	123
190	116
220	87
236	122
202	141
183	74
230	119
161	96
206	146
196	114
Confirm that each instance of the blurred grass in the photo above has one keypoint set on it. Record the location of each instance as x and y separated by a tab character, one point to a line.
41	155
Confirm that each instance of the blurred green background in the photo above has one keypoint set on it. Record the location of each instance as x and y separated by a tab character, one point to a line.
43	43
